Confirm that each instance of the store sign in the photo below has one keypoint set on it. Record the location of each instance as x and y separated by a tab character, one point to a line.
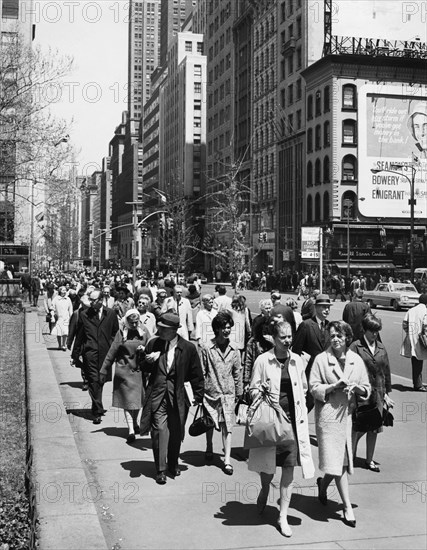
360	254
392	126
310	239
14	250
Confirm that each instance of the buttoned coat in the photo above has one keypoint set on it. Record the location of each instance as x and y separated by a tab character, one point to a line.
310	339
267	370
187	369
223	380
95	336
378	367
128	390
412	325
333	411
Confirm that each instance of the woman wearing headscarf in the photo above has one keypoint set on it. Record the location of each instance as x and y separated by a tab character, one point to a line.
128	387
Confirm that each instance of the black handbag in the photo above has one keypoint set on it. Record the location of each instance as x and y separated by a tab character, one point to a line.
367	418
202	422
388	418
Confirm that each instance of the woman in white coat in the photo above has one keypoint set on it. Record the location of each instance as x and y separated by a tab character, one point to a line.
283	371
337	376
63	309
414	323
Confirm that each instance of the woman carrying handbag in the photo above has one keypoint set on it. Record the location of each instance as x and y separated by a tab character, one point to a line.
375	357
283	373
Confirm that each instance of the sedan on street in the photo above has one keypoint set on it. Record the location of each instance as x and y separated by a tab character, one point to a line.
395	295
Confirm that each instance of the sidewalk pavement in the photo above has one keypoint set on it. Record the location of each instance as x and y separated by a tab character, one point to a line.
94	491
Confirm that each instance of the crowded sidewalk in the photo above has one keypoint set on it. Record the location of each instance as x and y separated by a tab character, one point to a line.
95	491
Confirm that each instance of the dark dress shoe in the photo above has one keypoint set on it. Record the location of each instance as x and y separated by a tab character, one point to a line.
348	522
136	429
323	499
175	472
85	386
97	420
161	478
130	438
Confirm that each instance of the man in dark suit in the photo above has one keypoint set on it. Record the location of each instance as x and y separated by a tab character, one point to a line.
354	312
312	336
96	327
171	361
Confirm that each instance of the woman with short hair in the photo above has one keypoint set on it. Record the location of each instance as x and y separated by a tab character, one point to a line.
223	384
337	376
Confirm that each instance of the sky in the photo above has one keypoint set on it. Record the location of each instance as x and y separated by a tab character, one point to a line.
95	34
94	95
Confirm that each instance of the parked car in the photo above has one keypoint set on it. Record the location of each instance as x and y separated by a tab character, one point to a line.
395	295
201	277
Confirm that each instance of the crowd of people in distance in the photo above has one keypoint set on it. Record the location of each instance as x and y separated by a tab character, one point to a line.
174	347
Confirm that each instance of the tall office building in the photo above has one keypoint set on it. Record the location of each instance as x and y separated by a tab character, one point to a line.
16	16
174	14
144	53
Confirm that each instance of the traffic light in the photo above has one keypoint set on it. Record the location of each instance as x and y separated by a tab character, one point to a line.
144	232
162	222
260	237
264	237
170	223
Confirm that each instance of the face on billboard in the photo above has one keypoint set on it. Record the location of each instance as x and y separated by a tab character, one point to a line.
393	129
419	129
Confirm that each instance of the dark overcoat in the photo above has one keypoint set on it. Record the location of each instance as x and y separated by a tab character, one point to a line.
187	368
95	336
378	368
309	338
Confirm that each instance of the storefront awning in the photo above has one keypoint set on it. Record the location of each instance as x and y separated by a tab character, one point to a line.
365	265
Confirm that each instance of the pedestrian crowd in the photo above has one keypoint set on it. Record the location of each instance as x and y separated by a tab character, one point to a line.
174	347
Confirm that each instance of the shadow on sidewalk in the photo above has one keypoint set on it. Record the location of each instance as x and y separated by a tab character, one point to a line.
138	468
77	385
399	387
81	413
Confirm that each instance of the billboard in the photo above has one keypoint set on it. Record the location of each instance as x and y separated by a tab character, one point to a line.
392	131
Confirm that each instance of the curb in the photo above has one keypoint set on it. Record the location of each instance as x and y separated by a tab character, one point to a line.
66	514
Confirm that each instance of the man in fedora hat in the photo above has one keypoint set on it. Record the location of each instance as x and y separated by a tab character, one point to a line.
171	361
312	336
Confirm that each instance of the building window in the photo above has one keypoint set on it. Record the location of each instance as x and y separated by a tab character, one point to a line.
309	174
326	206
291	64
349	132
290	94
197	70
200	47
349	98
10	9
349	168
309	107
317	172
299	88
318	103
326	134
348	211
309	140
299	119
283	11
326	170
317	213
188	46
326	99
283	98
299	58
317	137
309	208
198	88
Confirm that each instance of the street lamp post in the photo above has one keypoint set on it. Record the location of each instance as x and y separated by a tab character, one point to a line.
348	203
411	201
